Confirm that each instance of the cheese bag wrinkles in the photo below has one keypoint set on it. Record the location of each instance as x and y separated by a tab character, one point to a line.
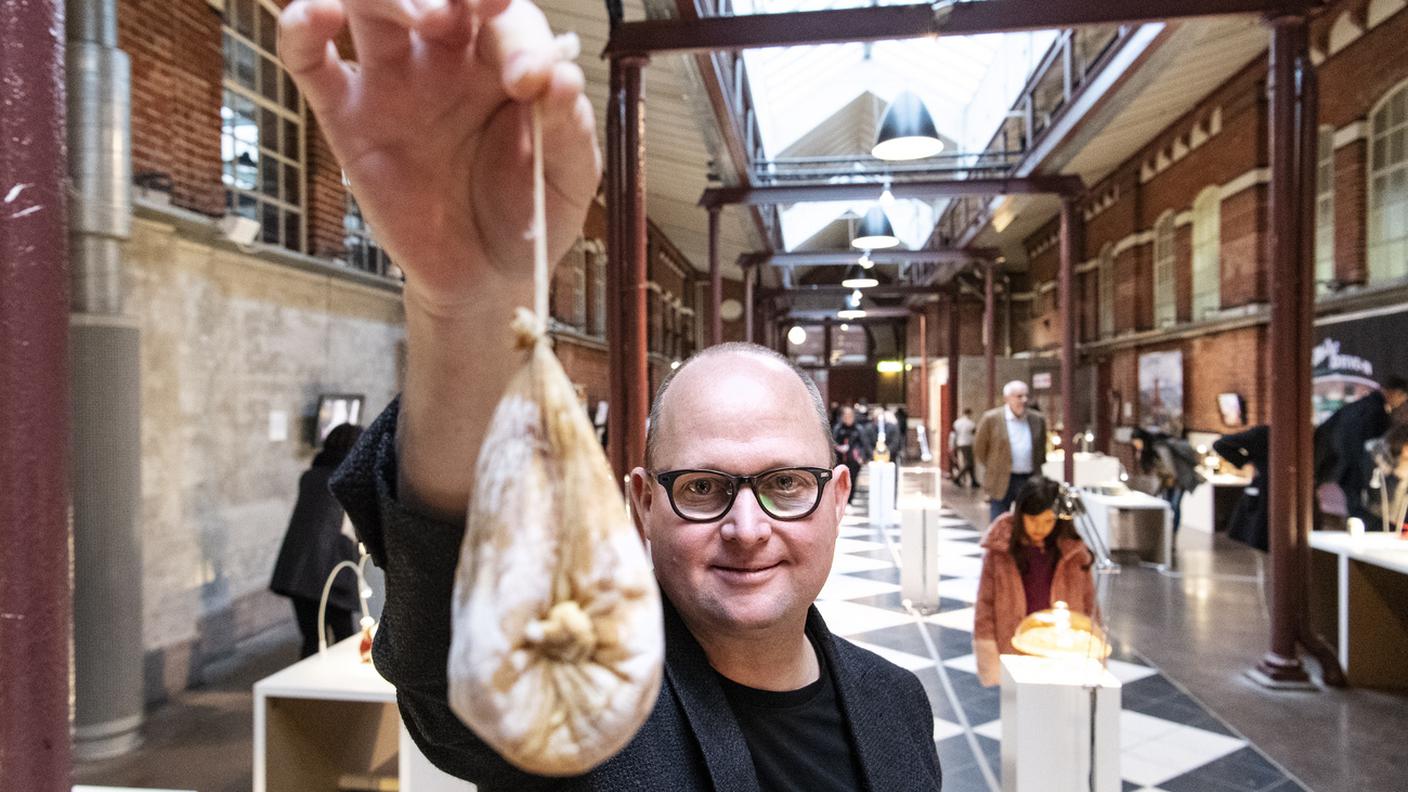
557	644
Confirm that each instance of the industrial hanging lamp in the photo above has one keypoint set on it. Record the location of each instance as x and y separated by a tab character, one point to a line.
857	278
875	232
907	131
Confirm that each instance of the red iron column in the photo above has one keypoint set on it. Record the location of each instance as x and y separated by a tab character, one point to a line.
1070	231
951	392
750	274
716	281
36	590
1290	359
990	331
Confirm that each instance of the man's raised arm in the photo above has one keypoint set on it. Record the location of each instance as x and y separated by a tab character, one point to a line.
431	126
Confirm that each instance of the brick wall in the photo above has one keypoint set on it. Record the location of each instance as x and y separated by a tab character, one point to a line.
174	48
1244	222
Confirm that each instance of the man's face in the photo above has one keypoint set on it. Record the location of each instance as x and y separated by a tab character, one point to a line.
848	416
746	572
1016	399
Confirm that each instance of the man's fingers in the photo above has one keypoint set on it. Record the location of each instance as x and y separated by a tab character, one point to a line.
381	29
306	31
519	44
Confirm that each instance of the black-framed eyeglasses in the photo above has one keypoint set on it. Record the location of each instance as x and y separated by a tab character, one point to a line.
788	493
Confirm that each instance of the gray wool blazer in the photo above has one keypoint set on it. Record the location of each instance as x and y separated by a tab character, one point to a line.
691	740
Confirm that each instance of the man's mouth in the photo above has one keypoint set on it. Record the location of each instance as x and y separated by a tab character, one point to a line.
746	573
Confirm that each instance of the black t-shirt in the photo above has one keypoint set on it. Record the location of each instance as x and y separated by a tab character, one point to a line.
797	737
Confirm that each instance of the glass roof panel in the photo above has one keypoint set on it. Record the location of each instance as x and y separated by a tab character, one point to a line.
968	84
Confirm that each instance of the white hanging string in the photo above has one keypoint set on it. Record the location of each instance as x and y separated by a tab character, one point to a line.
540	223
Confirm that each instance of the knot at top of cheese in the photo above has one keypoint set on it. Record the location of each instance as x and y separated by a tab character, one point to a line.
528	328
566	634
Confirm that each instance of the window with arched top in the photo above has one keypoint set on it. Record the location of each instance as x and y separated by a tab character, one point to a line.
1388	186
261	126
1106	283
1325	207
1165	285
1207	253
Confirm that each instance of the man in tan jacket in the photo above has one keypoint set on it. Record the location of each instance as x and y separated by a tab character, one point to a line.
1011	447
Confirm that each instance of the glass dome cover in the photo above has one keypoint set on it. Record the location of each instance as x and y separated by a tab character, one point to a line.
1061	633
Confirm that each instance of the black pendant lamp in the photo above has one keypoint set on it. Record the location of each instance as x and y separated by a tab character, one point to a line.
875	231
907	131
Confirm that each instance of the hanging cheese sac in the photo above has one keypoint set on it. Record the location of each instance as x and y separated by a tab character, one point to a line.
557	642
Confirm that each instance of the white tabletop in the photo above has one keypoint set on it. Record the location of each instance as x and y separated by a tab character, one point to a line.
337	675
1380	549
1127	500
1074	672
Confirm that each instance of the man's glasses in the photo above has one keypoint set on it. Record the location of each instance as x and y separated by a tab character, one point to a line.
790	493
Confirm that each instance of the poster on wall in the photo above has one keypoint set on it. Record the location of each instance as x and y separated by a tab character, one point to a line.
1353	357
1161	391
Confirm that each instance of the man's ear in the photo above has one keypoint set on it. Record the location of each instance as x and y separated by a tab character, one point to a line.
841	475
642	496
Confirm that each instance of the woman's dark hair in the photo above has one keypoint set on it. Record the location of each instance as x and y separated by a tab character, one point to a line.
337	445
1148	457
1039	494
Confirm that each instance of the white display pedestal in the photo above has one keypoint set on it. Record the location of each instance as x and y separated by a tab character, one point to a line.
1115	520
919	555
1091	468
882	477
1199	507
332	716
1046	726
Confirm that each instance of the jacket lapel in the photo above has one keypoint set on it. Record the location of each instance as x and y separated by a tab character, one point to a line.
702	699
869	727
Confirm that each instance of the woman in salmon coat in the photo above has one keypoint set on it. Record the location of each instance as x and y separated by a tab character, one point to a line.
1032	559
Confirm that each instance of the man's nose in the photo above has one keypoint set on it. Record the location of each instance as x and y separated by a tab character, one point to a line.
746	522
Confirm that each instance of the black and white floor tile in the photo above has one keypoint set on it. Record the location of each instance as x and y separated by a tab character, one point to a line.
1168	741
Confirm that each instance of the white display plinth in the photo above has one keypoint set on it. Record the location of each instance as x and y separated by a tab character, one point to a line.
919	555
882	510
1091	468
331	717
1199	507
1106	512
1046	726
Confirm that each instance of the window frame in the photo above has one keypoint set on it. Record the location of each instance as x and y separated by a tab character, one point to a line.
1207	254
1165	260
1105	285
231	85
1382	265
1325	275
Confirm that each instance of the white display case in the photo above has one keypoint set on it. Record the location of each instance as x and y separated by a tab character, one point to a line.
881	495
1060	726
330	722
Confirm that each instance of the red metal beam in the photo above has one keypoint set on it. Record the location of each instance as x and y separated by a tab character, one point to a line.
845	258
936	188
716	282
805	28
951	392
36	589
990	332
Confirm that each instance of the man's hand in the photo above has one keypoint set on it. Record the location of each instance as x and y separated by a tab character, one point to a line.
431	126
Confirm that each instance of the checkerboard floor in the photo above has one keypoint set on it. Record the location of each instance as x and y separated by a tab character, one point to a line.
1169	742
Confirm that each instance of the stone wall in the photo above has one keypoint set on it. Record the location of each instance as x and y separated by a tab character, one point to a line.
236	349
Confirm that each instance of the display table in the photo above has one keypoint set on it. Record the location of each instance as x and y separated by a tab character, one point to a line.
1091	468
330	722
1047	744
881	495
919	555
1359	597
1209	506
1132	521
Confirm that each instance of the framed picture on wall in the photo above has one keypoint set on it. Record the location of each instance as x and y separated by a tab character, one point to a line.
1161	391
1232	408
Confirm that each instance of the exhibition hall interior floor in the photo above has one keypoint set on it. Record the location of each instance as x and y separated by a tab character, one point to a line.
1168	741
1192	720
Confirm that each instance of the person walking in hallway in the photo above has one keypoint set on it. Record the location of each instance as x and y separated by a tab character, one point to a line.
1010	444
961	440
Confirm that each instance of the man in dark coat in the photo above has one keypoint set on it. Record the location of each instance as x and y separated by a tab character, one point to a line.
1248	523
1340	455
757	694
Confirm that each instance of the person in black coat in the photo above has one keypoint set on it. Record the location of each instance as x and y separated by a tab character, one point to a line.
315	543
1340	455
1248	523
852	446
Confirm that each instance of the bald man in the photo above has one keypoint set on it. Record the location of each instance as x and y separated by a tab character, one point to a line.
739	495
